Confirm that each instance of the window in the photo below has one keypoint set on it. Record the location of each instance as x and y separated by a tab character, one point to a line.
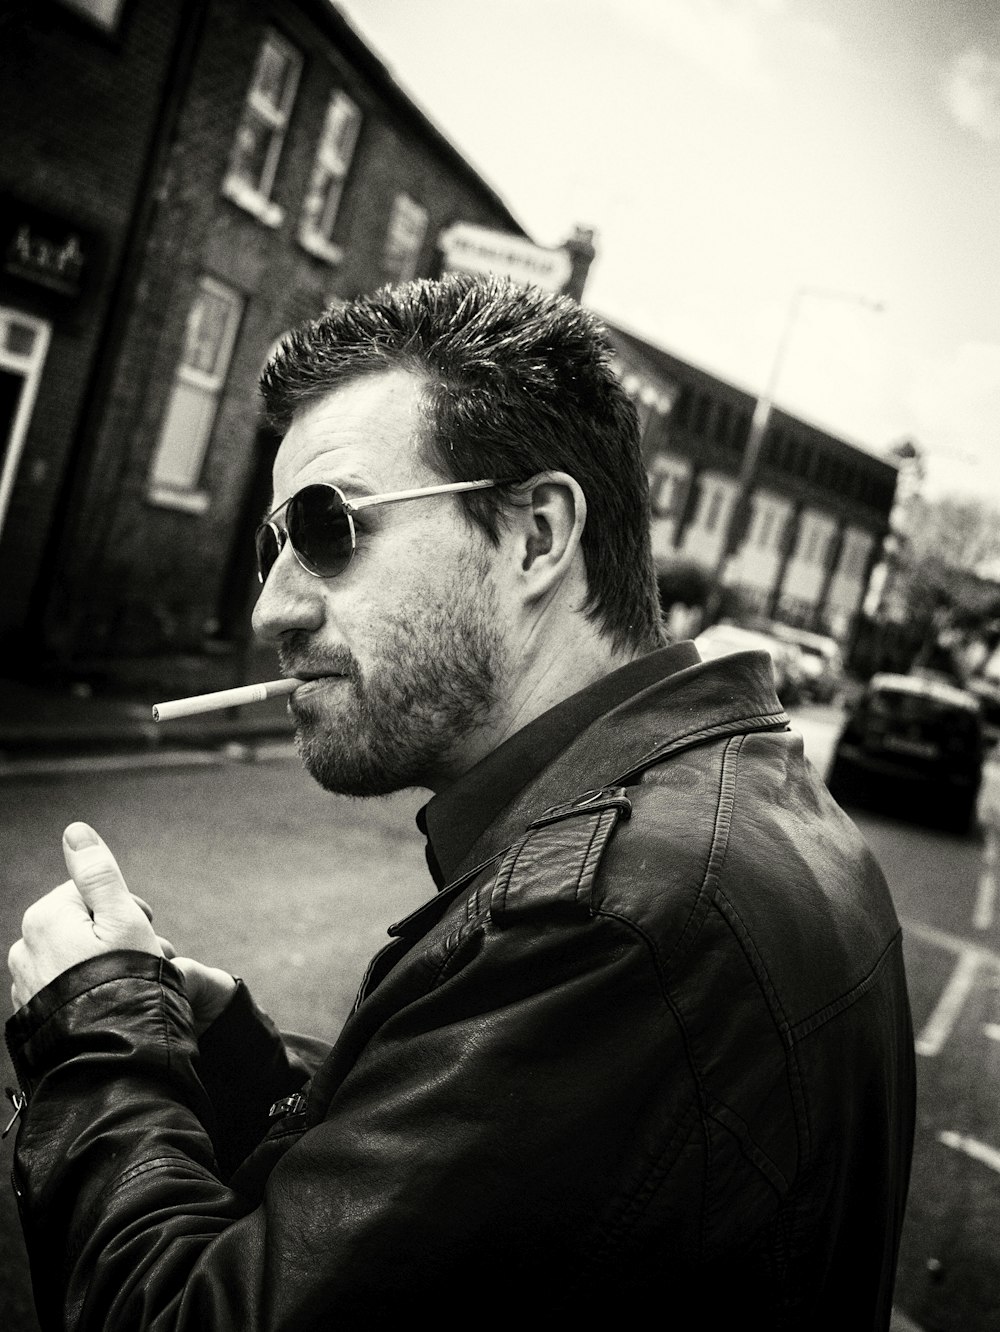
404	238
854	555
253	161
713	505
664	491
209	336
814	541
765	527
333	160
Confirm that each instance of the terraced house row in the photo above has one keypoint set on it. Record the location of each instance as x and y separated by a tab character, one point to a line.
818	510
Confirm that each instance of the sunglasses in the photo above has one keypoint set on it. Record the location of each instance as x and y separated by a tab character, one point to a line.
319	525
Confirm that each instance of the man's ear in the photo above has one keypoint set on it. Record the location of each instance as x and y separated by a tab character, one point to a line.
547	520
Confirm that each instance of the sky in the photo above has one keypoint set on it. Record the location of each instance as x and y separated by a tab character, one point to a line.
732	153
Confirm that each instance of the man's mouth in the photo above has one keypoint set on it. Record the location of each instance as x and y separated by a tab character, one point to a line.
313	680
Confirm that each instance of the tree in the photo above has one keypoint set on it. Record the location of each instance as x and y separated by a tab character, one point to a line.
951	544
962	533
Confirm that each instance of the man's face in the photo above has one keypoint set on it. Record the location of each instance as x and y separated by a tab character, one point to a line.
403	651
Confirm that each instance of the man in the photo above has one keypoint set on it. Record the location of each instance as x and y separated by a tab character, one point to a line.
647	1048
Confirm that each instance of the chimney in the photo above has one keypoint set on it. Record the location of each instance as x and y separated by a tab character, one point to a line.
580	247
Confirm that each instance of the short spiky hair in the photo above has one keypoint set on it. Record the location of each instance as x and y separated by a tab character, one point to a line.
516	381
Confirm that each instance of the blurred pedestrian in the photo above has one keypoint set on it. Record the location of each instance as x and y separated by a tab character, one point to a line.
648	1047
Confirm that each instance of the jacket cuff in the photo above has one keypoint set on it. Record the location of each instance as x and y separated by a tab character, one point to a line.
27	1024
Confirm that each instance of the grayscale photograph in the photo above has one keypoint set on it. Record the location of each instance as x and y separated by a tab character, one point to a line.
500	665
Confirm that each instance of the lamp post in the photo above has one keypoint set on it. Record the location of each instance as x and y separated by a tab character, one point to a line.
758	429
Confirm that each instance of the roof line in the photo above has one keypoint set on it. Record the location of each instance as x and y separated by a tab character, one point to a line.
356	48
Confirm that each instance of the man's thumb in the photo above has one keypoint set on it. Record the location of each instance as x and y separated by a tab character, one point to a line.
95	871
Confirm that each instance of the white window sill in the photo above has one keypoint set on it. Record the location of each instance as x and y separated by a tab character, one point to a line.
319	247
186	501
251	201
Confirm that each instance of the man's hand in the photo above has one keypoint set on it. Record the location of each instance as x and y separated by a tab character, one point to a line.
95	913
92	913
208	989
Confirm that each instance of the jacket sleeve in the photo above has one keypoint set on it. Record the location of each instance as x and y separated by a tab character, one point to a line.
491	1105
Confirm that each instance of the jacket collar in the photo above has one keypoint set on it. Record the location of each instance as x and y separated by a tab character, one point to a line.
728	696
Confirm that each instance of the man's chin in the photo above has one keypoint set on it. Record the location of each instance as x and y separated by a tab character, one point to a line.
344	770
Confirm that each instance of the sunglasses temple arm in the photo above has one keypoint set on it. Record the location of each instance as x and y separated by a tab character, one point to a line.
393	497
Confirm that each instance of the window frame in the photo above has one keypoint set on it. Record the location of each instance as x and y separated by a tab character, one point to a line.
255	198
404	202
161	490
331	170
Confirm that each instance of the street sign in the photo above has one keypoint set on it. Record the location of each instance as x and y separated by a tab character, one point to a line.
472	249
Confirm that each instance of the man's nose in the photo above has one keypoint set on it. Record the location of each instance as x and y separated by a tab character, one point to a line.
291	598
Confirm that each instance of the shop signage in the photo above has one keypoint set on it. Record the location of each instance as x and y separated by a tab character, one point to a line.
42	248
471	249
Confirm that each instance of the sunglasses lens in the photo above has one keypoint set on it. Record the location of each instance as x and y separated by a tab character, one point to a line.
268	548
319	529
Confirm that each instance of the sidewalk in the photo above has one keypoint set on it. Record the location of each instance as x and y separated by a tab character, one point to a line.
61	720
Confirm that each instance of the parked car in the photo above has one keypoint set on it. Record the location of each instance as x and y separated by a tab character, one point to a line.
718	640
987	689
912	739
822	662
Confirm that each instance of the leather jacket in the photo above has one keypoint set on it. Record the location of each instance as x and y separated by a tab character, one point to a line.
650	1050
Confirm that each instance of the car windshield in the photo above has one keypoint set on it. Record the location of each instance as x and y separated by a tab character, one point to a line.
921	710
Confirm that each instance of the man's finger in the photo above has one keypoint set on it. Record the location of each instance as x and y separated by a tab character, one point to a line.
95	872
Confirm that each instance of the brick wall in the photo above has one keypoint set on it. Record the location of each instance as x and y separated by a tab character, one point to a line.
77	118
137	578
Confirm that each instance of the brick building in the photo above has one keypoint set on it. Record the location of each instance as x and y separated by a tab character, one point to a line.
79	148
818	507
182	183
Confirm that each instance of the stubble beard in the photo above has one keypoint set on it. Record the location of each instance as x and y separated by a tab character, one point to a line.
436	680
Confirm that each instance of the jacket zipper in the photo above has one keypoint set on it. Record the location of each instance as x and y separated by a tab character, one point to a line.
288	1105
18	1100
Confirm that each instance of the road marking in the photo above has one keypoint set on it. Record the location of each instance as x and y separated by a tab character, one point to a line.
979	1151
992	1030
953	943
940	1023
982	916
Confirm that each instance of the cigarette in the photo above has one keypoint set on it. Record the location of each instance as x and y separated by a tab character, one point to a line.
223	698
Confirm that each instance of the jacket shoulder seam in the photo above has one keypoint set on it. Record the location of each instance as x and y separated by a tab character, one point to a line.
717	850
666	749
731	915
805	1026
